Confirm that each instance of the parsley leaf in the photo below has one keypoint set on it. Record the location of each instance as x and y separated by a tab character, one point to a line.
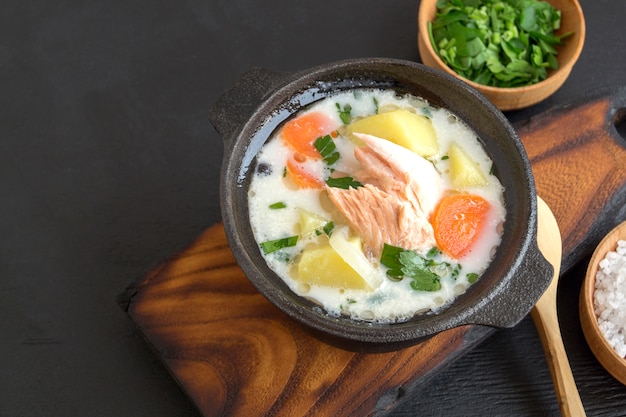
327	148
343	182
407	263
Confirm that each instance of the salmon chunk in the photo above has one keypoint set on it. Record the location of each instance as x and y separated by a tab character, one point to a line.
379	217
401	190
399	171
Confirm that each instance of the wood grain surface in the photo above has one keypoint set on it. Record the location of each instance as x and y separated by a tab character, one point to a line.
235	354
579	164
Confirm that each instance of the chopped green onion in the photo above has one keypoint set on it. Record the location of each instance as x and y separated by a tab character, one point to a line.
277	205
328	228
501	43
434	251
343	182
345	113
274	245
472	277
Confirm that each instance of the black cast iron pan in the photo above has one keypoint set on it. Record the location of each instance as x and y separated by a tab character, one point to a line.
247	115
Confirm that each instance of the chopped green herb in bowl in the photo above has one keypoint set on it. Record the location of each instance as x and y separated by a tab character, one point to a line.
503	43
516	52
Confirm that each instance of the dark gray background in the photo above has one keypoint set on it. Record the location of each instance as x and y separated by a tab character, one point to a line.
109	166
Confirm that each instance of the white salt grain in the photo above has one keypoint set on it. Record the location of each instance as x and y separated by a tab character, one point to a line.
610	297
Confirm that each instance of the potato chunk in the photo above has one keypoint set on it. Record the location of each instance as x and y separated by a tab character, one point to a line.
311	223
350	248
403	127
464	171
322	265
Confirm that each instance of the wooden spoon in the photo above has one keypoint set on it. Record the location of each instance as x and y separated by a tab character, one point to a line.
545	317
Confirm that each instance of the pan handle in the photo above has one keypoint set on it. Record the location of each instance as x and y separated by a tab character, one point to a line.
578	158
231	111
507	307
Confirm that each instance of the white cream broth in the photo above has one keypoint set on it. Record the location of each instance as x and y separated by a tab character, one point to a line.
390	301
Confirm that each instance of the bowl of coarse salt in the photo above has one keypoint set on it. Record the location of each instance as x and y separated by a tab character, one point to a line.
603	303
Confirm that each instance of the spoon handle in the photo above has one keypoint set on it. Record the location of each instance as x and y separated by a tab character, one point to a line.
545	317
546	321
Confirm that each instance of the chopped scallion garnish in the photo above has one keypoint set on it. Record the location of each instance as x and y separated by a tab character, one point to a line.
345	113
502	43
274	245
343	182
328	228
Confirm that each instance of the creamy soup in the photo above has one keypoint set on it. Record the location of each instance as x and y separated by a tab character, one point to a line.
375	205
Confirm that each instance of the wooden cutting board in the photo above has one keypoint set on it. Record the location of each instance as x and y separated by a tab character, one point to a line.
235	354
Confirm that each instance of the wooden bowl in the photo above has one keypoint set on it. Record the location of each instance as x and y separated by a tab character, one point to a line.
572	20
600	347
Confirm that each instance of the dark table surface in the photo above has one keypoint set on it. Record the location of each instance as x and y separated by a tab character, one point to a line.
109	166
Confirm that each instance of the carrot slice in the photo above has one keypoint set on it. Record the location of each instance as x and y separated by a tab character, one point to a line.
303	178
301	132
457	222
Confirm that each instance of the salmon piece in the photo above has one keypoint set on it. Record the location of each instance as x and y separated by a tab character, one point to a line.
401	190
379	217
399	171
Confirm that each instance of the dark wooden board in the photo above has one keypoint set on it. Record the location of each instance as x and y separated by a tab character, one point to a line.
235	354
579	164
